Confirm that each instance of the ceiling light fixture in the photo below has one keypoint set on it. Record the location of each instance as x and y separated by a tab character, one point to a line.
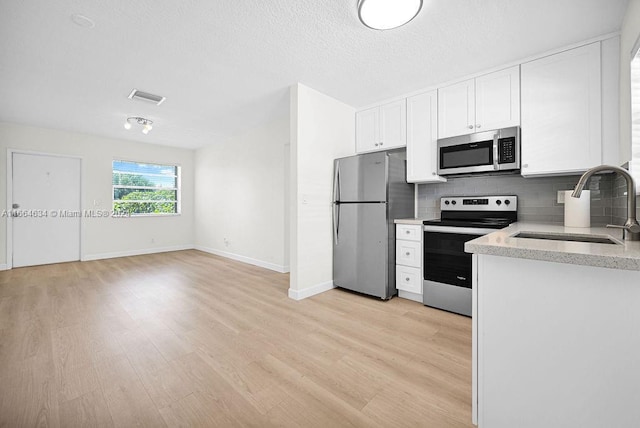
82	21
147	125
387	14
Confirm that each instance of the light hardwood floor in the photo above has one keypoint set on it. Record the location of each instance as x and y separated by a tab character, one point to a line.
190	339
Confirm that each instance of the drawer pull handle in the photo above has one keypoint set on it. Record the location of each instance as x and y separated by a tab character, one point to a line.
407	253
461	278
407	232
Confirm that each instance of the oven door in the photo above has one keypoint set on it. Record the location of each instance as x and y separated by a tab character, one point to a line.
447	268
444	258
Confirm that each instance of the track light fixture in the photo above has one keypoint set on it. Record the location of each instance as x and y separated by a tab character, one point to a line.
147	125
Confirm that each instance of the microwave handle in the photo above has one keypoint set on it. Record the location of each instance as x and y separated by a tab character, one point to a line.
495	151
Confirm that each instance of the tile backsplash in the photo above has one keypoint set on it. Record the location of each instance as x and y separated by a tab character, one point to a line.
619	201
537	197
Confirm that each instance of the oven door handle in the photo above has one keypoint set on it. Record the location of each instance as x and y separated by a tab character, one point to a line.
459	230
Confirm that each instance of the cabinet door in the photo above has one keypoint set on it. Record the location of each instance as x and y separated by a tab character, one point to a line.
561	112
498	99
393	125
409	253
422	135
456	109
367	130
409	232
408	279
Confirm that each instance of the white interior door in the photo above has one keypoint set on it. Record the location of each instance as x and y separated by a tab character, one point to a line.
46	202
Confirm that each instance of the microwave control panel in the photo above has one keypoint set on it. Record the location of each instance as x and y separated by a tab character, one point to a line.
507	150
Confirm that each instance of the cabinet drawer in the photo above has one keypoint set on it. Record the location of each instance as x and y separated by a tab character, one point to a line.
408	279
408	232
409	253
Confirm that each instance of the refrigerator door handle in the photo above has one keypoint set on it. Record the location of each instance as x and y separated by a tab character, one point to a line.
336	182
336	222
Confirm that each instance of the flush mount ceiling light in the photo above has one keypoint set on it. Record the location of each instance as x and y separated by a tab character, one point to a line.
387	14
147	125
82	21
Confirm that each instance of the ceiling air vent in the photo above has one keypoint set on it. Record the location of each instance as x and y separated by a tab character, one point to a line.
145	96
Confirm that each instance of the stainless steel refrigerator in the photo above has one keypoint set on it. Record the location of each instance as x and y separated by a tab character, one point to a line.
370	191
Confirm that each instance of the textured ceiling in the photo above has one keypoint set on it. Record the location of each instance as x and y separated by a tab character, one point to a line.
226	65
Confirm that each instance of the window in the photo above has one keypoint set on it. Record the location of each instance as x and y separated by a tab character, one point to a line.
145	188
634	163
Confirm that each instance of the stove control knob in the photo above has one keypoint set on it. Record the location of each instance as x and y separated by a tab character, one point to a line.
499	202
507	201
446	202
453	202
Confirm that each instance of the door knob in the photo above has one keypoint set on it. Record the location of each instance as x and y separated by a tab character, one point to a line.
470	126
15	206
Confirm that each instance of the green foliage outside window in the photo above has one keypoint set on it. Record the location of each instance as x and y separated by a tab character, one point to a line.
144	188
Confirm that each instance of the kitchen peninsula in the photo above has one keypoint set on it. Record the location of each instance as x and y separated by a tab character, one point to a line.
555	328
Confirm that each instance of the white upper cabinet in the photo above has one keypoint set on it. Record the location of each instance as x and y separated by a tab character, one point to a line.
498	100
422	135
456	109
561	112
382	128
487	102
367	129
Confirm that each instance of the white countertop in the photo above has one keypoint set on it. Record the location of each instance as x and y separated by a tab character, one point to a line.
411	220
625	255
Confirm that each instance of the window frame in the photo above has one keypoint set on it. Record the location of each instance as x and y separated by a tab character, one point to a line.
178	188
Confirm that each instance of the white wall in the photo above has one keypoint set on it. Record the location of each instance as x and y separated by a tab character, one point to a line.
106	237
629	34
240	196
322	129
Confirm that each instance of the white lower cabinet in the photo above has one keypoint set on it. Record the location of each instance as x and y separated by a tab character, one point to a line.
408	253
554	344
409	279
409	261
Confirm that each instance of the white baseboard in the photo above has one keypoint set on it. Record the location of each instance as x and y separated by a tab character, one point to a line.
3	266
244	259
311	291
409	295
99	256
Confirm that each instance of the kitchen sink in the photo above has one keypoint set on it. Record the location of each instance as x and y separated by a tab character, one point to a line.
592	239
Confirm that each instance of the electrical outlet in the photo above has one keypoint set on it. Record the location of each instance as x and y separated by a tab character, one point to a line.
561	196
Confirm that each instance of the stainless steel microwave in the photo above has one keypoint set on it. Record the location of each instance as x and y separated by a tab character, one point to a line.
489	151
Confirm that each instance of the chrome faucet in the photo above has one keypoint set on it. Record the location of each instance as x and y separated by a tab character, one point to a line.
631	228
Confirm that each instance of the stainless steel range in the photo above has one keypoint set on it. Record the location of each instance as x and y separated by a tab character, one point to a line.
447	268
